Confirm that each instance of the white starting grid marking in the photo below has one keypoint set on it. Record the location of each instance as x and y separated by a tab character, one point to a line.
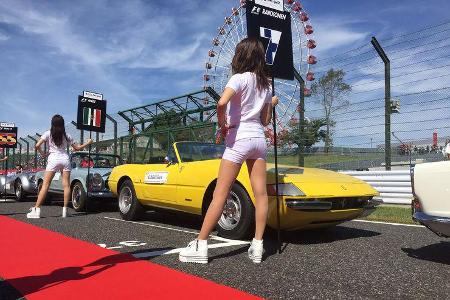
387	223
225	242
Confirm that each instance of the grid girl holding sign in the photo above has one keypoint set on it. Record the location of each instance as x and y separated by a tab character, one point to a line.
250	100
58	161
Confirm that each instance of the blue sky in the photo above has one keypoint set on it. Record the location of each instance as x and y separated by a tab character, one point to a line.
136	52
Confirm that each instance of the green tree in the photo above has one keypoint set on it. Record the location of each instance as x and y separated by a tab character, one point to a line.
331	93
313	132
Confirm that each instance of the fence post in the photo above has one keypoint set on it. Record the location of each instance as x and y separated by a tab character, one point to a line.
387	102
28	150
35	151
45	149
115	132
97	142
301	120
20	152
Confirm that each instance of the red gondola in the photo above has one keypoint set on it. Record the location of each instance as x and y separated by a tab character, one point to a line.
309	29
216	42
211	53
206	77
312	60
310	76
311	44
297	7
304	17
208	65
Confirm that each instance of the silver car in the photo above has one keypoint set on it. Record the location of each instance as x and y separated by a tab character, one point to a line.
20	184
97	181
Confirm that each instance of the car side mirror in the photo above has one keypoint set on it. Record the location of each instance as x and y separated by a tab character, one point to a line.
168	161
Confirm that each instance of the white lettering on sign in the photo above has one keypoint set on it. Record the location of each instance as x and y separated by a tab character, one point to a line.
92	95
274	4
156	177
274	14
7	124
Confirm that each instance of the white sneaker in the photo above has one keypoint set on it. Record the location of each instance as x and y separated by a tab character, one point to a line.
35	213
195	252
255	252
64	212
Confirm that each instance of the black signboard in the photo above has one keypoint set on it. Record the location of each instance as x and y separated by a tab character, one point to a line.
8	136
91	114
273	28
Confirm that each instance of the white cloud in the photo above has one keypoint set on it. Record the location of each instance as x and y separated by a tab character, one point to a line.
3	37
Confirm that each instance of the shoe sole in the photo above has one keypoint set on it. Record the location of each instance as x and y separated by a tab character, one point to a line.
197	260
255	259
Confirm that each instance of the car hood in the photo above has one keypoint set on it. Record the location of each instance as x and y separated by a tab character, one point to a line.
320	183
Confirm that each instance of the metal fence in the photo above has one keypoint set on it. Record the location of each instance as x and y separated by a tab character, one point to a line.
398	110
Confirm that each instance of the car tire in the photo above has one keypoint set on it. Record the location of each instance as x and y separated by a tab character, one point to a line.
78	197
18	191
238	217
129	206
48	197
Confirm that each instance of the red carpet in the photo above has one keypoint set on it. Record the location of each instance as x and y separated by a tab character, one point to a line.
42	264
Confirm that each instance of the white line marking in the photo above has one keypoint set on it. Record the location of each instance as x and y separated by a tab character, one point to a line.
387	223
214	237
177	250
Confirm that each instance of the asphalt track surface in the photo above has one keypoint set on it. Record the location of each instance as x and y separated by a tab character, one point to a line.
355	260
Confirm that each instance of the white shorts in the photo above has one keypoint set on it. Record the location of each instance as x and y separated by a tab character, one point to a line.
246	148
58	163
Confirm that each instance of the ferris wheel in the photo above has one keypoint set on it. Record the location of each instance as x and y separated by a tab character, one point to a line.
234	29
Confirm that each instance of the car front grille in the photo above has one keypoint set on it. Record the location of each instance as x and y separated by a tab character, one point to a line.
340	203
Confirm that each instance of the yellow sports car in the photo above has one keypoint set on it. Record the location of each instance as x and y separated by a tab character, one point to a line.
185	179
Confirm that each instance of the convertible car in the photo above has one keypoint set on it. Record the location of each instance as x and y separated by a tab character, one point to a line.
431	190
310	198
19	184
100	168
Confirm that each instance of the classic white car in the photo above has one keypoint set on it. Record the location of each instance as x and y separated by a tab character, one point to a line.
431	190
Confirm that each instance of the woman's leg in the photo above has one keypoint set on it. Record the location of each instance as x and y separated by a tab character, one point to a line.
66	186
228	172
257	173
48	177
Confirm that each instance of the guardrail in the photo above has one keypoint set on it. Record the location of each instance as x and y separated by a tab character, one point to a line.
394	186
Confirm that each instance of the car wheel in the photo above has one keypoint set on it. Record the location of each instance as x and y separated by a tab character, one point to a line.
129	206
48	197
18	191
78	197
238	216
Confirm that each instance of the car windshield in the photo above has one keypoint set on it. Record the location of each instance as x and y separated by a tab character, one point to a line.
192	151
81	160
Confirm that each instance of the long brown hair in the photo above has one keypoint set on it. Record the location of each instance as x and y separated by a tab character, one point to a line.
58	130
250	57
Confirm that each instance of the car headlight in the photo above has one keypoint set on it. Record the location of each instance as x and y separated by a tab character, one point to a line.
97	180
284	189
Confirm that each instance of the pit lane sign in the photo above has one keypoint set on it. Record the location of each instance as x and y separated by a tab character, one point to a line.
91	114
8	135
267	21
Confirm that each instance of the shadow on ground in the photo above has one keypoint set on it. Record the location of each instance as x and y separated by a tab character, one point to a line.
439	253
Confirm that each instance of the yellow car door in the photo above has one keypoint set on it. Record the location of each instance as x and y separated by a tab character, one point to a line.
160	183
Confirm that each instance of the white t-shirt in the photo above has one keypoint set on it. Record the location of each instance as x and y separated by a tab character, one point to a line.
52	148
244	108
447	150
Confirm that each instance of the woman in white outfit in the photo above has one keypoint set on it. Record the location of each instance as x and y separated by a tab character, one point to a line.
249	97
58	161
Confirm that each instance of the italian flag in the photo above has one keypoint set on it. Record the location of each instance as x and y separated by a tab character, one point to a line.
92	116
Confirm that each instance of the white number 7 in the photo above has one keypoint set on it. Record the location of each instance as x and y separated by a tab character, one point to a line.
274	37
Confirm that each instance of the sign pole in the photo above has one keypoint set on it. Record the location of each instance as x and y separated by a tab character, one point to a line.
88	184
5	164
276	167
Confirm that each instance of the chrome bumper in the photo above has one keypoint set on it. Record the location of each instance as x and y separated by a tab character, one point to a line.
305	205
439	225
101	194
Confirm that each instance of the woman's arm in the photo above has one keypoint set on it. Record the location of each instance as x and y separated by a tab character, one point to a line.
77	147
228	93
38	147
266	112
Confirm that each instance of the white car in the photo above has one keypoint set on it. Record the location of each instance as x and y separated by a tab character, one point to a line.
431	190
